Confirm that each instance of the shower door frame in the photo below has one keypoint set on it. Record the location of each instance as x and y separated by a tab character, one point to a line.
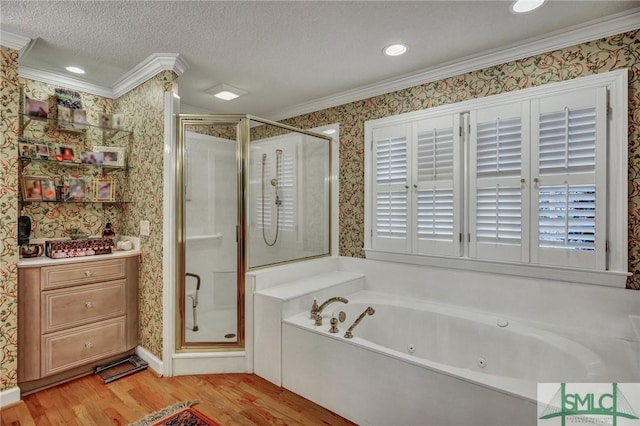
241	123
243	141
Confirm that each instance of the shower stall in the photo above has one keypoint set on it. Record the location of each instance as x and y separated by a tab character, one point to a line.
251	193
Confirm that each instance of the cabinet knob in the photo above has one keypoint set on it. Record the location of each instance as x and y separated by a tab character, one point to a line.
88	273
88	305
88	345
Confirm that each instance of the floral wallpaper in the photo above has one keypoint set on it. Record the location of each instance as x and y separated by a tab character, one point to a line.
598	56
58	220
143	108
9	105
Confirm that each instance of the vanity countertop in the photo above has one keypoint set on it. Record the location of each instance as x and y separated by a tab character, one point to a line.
47	261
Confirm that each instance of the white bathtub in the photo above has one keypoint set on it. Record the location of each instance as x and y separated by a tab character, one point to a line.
414	363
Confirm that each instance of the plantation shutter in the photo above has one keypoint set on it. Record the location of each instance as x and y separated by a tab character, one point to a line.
568	206
499	165
436	186
261	180
391	203
287	188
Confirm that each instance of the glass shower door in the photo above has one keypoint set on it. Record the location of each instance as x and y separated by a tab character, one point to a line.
210	298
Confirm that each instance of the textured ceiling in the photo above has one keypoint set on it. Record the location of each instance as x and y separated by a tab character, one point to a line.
283	53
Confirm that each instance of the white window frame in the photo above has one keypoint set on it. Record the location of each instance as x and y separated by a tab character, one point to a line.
616	271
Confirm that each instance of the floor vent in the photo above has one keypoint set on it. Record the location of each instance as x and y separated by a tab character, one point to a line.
119	369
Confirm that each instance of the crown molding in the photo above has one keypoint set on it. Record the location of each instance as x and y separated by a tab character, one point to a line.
13	41
142	72
593	30
146	69
64	81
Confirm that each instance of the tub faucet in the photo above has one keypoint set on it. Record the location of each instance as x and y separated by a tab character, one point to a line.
316	311
349	333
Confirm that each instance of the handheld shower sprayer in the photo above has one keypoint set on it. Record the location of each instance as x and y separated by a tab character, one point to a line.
278	202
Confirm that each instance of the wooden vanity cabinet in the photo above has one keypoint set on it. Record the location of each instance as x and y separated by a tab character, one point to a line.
73	317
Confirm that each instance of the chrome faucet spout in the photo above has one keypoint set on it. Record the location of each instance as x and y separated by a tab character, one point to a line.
316	311
368	311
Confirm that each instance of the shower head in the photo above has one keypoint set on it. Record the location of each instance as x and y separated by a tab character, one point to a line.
264	157
278	152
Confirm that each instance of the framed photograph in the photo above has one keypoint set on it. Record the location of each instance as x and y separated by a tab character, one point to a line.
48	190
27	150
65	114
104	189
36	108
65	153
95	158
32	188
42	151
112	155
118	121
105	120
77	190
79	118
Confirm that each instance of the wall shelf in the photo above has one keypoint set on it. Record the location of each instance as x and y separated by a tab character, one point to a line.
216	236
106	168
69	126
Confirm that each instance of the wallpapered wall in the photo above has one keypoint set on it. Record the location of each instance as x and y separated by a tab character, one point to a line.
608	54
142	184
143	108
9	106
144	105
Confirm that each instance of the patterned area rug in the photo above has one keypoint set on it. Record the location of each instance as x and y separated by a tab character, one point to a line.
178	414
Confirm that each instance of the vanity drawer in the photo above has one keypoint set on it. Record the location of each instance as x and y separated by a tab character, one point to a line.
67	349
74	306
82	273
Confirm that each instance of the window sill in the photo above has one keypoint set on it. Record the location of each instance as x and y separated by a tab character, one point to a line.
580	276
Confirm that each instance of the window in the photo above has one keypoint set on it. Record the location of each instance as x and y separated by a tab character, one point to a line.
535	177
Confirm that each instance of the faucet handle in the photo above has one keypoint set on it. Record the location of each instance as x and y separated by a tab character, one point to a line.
314	309
334	325
318	318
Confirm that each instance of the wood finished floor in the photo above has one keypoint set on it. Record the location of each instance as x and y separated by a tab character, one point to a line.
229	399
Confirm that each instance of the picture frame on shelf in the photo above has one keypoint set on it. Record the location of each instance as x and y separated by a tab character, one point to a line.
42	151
79	117
65	118
27	150
36	108
105	120
112	155
32	188
104	189
95	158
48	190
117	121
65	153
77	190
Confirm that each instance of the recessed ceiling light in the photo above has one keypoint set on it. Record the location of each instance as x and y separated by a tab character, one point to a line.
396	49
75	70
226	92
329	131
524	6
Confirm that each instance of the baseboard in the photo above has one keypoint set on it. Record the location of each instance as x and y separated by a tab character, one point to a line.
9	397
154	362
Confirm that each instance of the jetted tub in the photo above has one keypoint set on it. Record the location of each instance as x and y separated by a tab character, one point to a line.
414	363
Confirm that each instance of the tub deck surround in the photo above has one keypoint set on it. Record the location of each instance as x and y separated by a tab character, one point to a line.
409	347
274	303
